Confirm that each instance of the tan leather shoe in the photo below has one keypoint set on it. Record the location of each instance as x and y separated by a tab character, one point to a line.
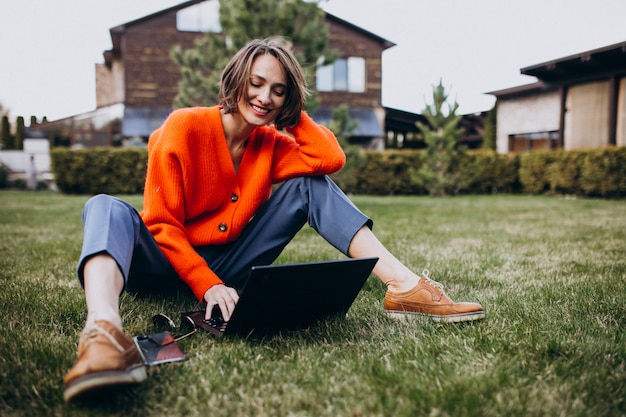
106	356
428	298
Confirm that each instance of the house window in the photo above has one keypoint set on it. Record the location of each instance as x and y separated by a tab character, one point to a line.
203	17
345	74
536	141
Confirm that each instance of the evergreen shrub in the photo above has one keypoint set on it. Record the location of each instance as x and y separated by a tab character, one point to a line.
564	171
17	184
99	170
587	173
388	173
603	172
534	173
499	172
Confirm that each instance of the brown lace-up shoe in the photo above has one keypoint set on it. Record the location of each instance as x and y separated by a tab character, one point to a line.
106	356
428	298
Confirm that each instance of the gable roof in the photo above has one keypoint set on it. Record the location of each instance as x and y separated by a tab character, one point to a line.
386	43
117	31
151	16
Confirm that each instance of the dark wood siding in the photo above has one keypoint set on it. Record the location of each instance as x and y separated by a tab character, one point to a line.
151	77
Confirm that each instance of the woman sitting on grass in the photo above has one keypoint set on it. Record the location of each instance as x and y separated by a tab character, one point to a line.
208	215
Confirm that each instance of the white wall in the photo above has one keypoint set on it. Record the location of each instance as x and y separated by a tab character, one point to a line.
18	161
537	113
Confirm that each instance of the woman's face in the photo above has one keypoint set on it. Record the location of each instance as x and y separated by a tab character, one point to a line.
265	92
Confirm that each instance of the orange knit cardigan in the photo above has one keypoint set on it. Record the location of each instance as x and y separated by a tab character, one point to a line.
194	197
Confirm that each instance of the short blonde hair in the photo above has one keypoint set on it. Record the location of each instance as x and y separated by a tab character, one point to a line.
236	74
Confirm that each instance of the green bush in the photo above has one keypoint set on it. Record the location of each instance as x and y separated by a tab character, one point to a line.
388	173
499	173
17	184
99	170
603	172
564	172
345	178
590	173
3	176
533	171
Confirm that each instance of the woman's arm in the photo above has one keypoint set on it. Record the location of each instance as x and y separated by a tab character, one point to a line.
164	211
311	150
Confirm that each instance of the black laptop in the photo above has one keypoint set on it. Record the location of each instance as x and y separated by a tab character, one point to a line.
291	296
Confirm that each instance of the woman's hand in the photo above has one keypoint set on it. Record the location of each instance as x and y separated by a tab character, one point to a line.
224	297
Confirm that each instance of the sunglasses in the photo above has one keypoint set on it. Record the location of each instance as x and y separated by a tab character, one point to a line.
162	347
187	326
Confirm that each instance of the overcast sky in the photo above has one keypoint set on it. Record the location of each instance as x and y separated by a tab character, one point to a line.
48	48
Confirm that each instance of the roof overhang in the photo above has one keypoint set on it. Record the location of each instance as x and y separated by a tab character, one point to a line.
597	63
402	121
523	90
384	42
368	125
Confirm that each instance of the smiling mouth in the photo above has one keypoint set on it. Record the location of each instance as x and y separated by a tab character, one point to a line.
258	109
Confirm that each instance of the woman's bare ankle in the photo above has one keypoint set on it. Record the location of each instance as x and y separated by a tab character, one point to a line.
402	284
112	318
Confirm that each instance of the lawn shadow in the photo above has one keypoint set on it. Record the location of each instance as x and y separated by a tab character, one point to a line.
115	400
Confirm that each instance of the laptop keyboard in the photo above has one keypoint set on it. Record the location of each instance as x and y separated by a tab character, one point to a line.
217	323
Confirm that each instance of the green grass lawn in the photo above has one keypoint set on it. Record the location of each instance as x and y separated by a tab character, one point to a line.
550	272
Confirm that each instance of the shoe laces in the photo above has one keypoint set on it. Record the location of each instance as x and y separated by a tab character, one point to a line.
94	330
426	277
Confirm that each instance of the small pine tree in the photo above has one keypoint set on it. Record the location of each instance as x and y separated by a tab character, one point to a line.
442	172
7	140
19	133
489	136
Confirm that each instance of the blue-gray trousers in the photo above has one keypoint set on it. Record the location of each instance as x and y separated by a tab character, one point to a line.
114	227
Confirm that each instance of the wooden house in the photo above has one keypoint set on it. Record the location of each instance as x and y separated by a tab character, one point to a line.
137	83
578	102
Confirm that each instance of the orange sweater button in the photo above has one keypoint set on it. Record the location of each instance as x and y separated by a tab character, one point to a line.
234	197
222	227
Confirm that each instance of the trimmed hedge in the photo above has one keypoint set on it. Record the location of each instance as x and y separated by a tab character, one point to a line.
563	172
99	170
499	173
589	173
603	173
534	171
388	173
